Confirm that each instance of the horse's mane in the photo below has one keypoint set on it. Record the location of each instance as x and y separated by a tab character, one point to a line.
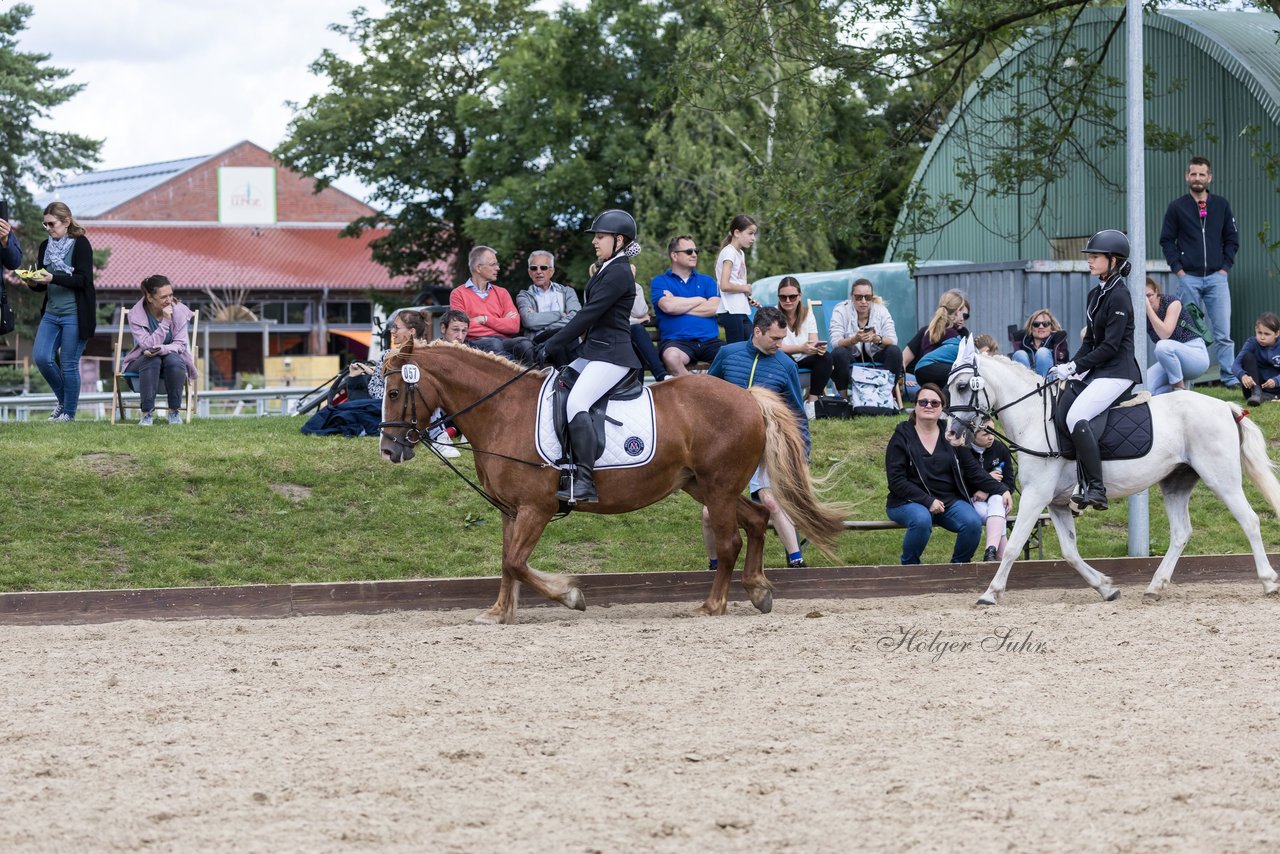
510	366
1026	372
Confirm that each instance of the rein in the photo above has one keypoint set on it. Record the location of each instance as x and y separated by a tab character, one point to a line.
415	435
1048	393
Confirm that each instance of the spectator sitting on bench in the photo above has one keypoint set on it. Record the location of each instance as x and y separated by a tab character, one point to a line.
802	342
640	335
995	460
986	344
862	330
495	323
545	304
161	345
931	484
685	303
1042	344
932	351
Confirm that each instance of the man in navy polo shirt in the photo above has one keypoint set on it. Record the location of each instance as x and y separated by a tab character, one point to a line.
685	303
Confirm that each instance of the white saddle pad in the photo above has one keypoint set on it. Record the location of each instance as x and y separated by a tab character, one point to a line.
627	446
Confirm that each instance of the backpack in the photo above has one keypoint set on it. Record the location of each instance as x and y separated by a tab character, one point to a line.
871	391
1192	319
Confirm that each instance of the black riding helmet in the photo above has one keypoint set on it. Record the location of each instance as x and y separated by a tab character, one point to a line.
1112	243
614	221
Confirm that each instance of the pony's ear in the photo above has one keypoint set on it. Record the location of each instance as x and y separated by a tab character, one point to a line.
967	352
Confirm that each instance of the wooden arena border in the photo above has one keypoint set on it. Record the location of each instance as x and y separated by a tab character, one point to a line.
370	597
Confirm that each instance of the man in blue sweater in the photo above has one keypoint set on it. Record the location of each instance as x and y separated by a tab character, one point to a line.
760	362
1200	240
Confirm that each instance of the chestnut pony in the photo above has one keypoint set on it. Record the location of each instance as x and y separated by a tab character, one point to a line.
711	435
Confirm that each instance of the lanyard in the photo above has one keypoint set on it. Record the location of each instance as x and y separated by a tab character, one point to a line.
751	379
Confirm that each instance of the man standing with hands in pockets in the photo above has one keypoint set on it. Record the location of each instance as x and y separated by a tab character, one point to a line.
1200	241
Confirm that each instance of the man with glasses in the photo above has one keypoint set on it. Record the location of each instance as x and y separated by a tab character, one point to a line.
862	330
545	304
495	323
685	304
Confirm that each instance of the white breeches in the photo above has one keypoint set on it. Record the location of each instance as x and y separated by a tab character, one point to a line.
1096	398
594	379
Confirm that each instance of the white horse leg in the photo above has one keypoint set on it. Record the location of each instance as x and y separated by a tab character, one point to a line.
1065	526
1237	502
1034	498
1177	489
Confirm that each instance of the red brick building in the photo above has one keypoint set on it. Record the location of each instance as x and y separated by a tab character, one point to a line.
244	239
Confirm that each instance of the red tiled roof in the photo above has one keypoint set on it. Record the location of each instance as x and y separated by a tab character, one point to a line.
265	257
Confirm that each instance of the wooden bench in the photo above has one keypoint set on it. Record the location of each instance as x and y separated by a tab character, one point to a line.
1036	539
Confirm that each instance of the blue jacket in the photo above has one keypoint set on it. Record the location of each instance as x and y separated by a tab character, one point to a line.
1268	359
744	366
1199	245
11	253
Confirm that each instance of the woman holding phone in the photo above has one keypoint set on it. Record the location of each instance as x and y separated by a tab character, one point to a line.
862	330
802	342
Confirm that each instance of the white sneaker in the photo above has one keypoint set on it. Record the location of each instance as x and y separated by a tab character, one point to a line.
175	418
56	413
810	409
448	451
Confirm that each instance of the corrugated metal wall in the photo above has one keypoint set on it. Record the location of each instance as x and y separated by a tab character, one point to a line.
1007	293
1217	78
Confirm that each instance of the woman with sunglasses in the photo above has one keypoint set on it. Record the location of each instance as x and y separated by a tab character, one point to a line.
931	482
802	342
862	330
931	353
69	313
1043	343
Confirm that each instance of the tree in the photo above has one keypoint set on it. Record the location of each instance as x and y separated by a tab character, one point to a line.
29	154
403	119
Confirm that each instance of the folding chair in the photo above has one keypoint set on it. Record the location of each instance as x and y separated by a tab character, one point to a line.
122	378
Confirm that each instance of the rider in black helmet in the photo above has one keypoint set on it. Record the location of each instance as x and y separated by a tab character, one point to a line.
1105	358
605	355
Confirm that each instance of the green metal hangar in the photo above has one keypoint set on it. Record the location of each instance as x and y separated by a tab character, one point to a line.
1213	76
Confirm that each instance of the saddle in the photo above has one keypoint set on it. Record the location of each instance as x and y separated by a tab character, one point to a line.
1124	431
629	443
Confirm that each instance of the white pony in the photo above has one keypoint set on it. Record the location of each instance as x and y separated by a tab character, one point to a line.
1196	437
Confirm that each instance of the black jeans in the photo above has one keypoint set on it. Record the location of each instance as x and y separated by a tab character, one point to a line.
648	354
1249	362
819	366
843	357
150	368
517	349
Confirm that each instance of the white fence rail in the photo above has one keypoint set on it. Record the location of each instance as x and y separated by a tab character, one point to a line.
96	405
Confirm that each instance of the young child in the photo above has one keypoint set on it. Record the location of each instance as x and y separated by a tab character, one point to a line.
1257	365
994	458
986	344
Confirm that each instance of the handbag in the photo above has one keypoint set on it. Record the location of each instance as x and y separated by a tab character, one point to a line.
832	406
1193	320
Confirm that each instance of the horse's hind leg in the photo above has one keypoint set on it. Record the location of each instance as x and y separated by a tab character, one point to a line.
519	537
754	518
1227	485
1176	488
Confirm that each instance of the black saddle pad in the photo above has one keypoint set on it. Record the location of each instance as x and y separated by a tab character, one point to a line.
1124	433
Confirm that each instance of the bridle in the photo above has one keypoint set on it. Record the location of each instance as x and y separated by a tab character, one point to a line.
1048	393
416	434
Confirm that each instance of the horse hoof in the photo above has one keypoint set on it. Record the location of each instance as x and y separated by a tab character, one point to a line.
763	600
1150	597
986	600
1270	588
705	610
1109	594
489	618
574	599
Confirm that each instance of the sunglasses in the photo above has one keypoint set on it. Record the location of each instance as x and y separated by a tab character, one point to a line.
964	315
863	297
788	297
49	224
687	251
929	404
542	268
1039	324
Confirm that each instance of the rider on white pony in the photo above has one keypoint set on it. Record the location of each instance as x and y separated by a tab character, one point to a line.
1105	358
606	354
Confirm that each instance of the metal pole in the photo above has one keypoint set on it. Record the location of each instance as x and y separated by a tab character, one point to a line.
1135	149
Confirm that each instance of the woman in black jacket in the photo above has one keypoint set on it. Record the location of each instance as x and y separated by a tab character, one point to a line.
932	483
1105	358
69	314
605	355
1043	343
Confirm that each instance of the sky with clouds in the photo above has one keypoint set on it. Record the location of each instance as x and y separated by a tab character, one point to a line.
167	79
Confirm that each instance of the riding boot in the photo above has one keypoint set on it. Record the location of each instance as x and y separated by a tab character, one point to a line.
582	447
1089	463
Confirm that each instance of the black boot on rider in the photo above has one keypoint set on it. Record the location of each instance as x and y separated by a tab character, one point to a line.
1089	461
582	447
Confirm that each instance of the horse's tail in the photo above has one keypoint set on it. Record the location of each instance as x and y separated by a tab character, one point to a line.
1253	454
788	468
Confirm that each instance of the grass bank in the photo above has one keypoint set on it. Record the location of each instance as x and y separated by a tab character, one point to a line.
88	505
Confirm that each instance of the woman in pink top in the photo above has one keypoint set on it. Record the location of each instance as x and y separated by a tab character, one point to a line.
161	345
